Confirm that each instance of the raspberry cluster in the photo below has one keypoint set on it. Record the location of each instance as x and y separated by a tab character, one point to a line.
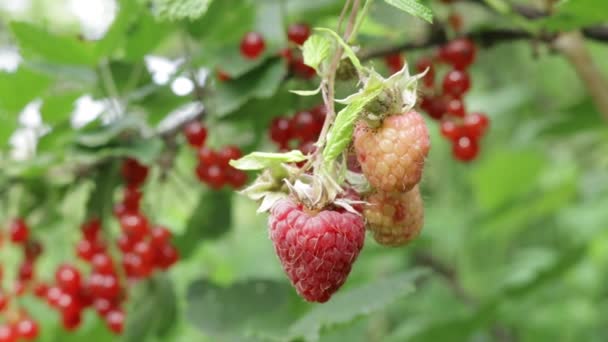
301	130
253	45
17	324
213	168
445	101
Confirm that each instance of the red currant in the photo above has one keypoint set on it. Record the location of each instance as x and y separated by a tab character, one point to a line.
102	306
394	62
40	290
26	271
465	149
71	322
86	249
456	83
228	153
298	33
252	45
160	236
3	300
207	156
460	53
102	263
424	64
145	251
196	133
476	125
19	231
131	198
451	130
115	320
455	107
215	177
435	107
27	329
90	229
302	70
68	304
167	256
32	250
134	225
305	126
68	278
280	130
53	294
8	333
125	243
236	178
133	172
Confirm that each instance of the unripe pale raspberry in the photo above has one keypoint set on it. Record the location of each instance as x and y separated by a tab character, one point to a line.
392	156
316	250
395	218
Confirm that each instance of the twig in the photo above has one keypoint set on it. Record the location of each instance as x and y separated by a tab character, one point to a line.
572	46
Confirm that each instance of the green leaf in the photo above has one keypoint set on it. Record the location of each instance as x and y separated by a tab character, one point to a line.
240	310
347	305
210	219
263	160
260	83
573	14
413	7
154	311
179	9
347	49
19	88
316	50
8	123
340	134
37	43
59	107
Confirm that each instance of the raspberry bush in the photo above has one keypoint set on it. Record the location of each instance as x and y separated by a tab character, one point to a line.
286	170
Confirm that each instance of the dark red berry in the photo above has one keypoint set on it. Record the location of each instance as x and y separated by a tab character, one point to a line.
319	112
27	329
302	70
215	177
280	130
131	198
394	62
91	228
71	322
40	290
19	231
298	33
68	278
228	153
85	249
8	333
435	107
476	124
19	287
460	53
451	130
455	107
456	83
115	320
287	54
305	126
160	236
3	300
134	225
252	45
53	294
125	243
134	265
102	263
68	304
207	156
236	178
424	64
145	251
133	172
102	306
26	271
465	149
166	257
196	133
32	250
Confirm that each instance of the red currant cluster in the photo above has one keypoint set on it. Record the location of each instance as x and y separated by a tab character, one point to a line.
18	325
213	168
301	130
445	101
253	46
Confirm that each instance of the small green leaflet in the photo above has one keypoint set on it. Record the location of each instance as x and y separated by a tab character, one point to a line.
413	7
179	9
316	50
347	49
341	132
263	160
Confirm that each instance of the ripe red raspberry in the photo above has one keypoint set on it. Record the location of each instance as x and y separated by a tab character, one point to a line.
298	33
456	83
252	45
392	156
19	231
196	133
465	149
316	250
394	218
460	53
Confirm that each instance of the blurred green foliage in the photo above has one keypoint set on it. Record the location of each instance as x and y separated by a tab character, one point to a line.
516	242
